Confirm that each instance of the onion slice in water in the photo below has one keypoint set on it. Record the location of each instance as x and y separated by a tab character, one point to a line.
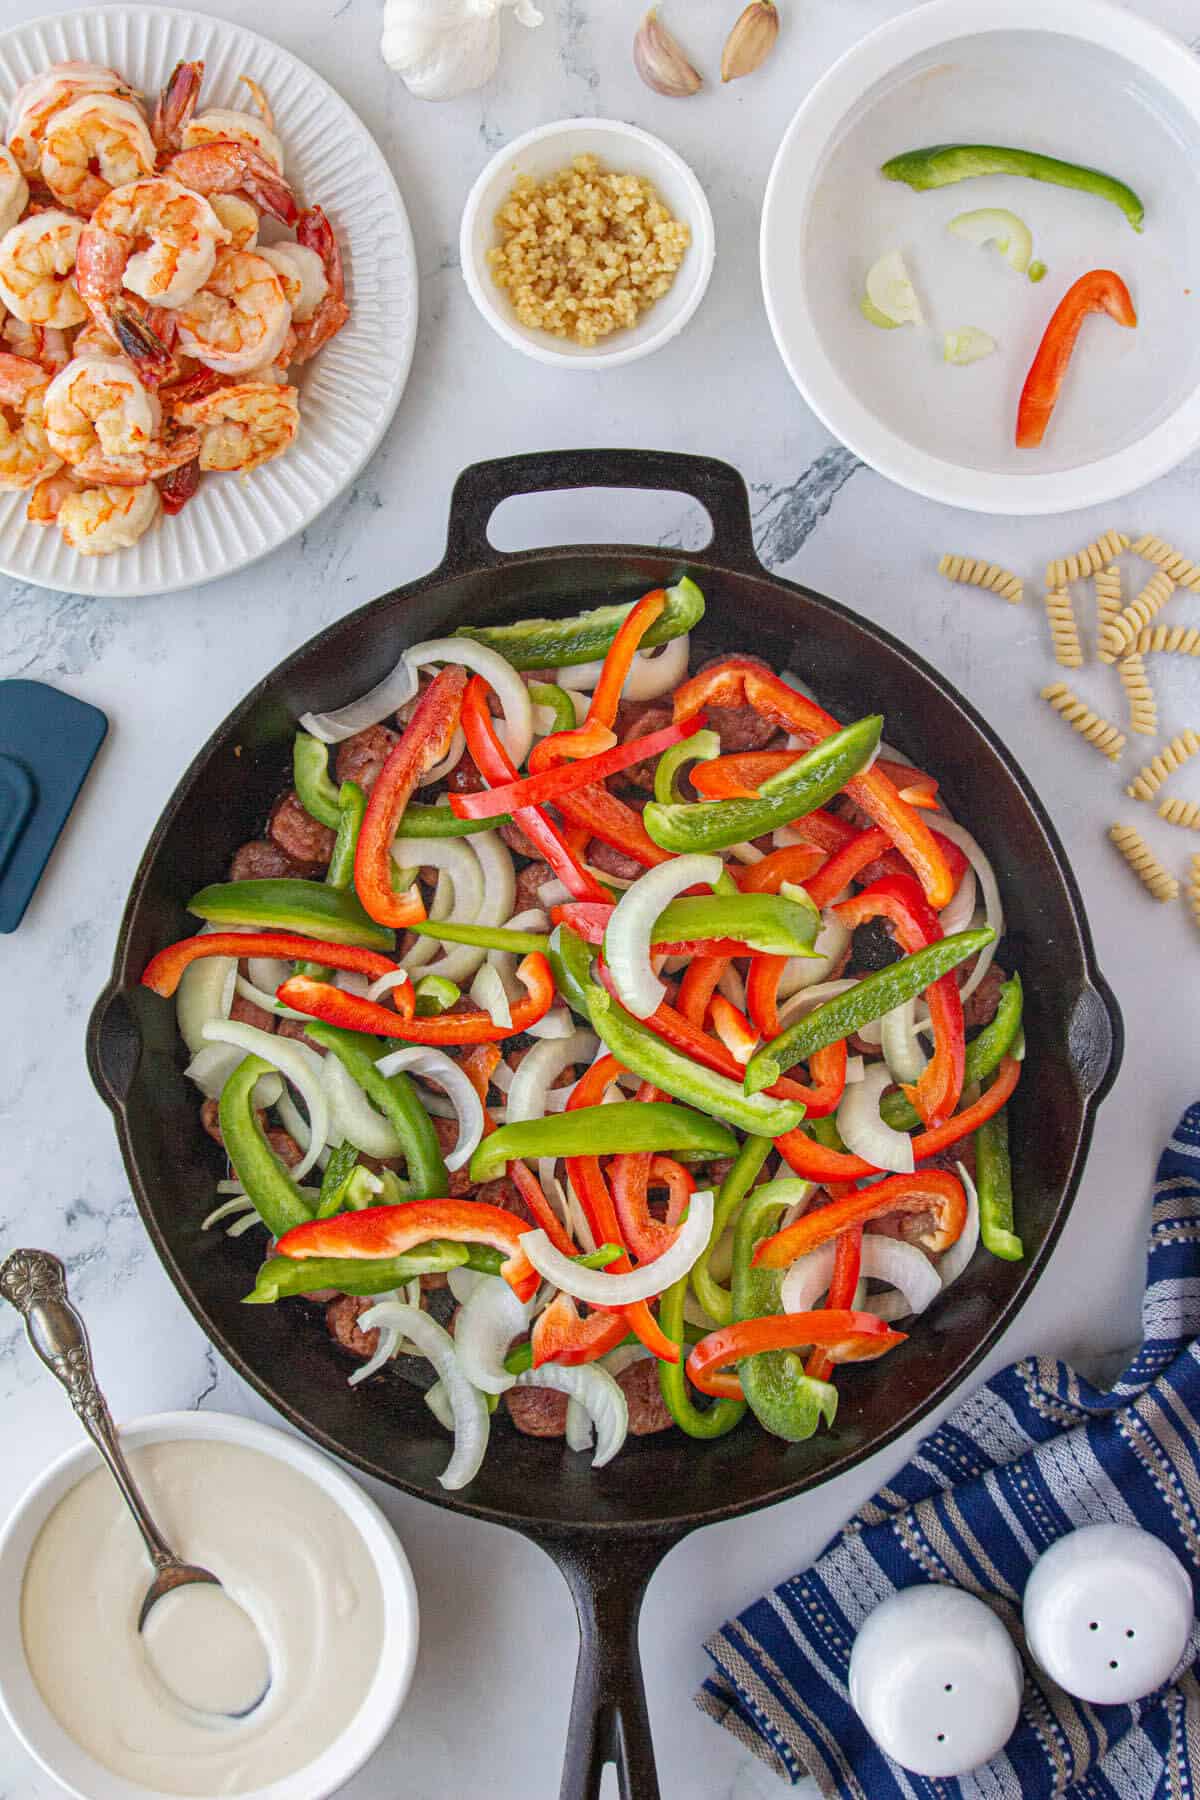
594	1389
627	935
599	1289
393	692
471	1422
434	1065
487	1325
863	1131
299	1063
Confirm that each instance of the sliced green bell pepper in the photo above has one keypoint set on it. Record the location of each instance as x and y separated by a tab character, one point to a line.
811	780
310	772
277	1198
702	746
942	164
396	1098
484	937
283	1277
585	637
641	1050
352	804
438	821
548	693
716	1300
343	1161
983	1053
622	1128
718	1418
290	904
435	994
772	924
869	999
784	1400
993	1180
571	965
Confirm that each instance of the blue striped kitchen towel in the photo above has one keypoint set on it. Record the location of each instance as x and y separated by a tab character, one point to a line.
1025	1459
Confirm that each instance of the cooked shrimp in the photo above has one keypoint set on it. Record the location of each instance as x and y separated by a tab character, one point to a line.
239	318
225	124
244	426
37	101
239	218
302	273
37	270
48	496
98	405
229	168
154	238
14	190
314	232
37	343
98	520
94	340
176	104
94	145
26	455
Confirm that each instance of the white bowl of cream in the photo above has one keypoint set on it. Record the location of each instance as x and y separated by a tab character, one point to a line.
293	1540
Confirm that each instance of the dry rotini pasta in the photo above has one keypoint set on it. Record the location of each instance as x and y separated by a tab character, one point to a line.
1174	640
1193	889
1064	633
1147	781
1143	708
983	574
1105	737
1087	561
1183	573
1181	812
1142	860
1120	635
1109	599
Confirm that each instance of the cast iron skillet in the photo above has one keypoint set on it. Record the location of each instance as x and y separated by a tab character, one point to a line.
606	1531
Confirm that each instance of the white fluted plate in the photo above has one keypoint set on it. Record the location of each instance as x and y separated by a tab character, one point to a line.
348	393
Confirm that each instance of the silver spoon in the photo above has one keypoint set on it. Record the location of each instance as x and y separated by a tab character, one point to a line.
36	1284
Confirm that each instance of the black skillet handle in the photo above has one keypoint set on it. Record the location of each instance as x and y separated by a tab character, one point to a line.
480	489
1096	1038
609	1719
114	1047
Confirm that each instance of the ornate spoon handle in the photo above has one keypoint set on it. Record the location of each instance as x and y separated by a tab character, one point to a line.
36	1284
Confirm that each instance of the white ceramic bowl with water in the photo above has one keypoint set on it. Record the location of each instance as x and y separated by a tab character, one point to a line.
1082	80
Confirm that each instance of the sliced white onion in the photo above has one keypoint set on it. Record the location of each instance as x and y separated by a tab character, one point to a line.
651	673
268	972
989	887
212	1066
746	853
901	1051
456	860
599	1395
732	986
397	979
863	1131
438	1402
240	1204
600	1289
576	1219
351	982
541	1068
471	1422
559	1022
298	1062
516	729
622	1358
503	1076
458	962
903	1266
266	1002
205	993
953	1261
957	915
505	961
462	1282
487	990
579	1427
554	893
487	1325
856	1068
391	1339
627	935
804	999
393	692
434	1065
808	971
353	1118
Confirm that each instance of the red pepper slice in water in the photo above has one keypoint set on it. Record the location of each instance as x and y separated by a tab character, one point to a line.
385	1231
741	681
496	767
426	740
1101	290
781	1331
563	778
163	972
321	1000
596	732
933	1191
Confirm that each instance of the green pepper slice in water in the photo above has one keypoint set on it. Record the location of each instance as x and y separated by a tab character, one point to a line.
783	1399
588	636
940	165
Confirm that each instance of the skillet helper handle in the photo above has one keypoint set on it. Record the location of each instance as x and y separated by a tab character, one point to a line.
609	1722
717	486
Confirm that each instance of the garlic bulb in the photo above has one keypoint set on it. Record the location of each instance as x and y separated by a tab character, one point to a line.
443	48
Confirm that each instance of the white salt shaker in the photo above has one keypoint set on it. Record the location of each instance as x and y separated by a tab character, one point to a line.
1108	1613
936	1680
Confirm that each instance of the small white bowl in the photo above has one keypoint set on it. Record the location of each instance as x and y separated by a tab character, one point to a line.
58	1753
626	150
1083	80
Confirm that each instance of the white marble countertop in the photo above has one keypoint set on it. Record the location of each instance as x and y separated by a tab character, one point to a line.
498	1624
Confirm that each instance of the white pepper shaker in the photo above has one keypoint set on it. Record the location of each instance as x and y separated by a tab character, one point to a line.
1108	1613
936	1680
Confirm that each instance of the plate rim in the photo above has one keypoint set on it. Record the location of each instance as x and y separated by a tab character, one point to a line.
406	348
1154	50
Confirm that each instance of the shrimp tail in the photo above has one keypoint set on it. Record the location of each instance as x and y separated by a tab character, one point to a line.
177	488
140	342
176	104
268	189
314	231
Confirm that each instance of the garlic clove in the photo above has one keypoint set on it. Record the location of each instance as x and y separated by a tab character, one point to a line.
660	62
751	40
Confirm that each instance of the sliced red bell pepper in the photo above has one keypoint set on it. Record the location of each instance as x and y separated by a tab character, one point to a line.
933	1191
699	984
426	739
843	1285
741	681
321	1000
781	1331
865	848
762	993
560	1335
530	1190
605	817
733	1028
1101	290
740	775
898	899
795	863
564	778
632	1177
496	767
596	733
479	1065
163	972
385	1231
804	1156
824	830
